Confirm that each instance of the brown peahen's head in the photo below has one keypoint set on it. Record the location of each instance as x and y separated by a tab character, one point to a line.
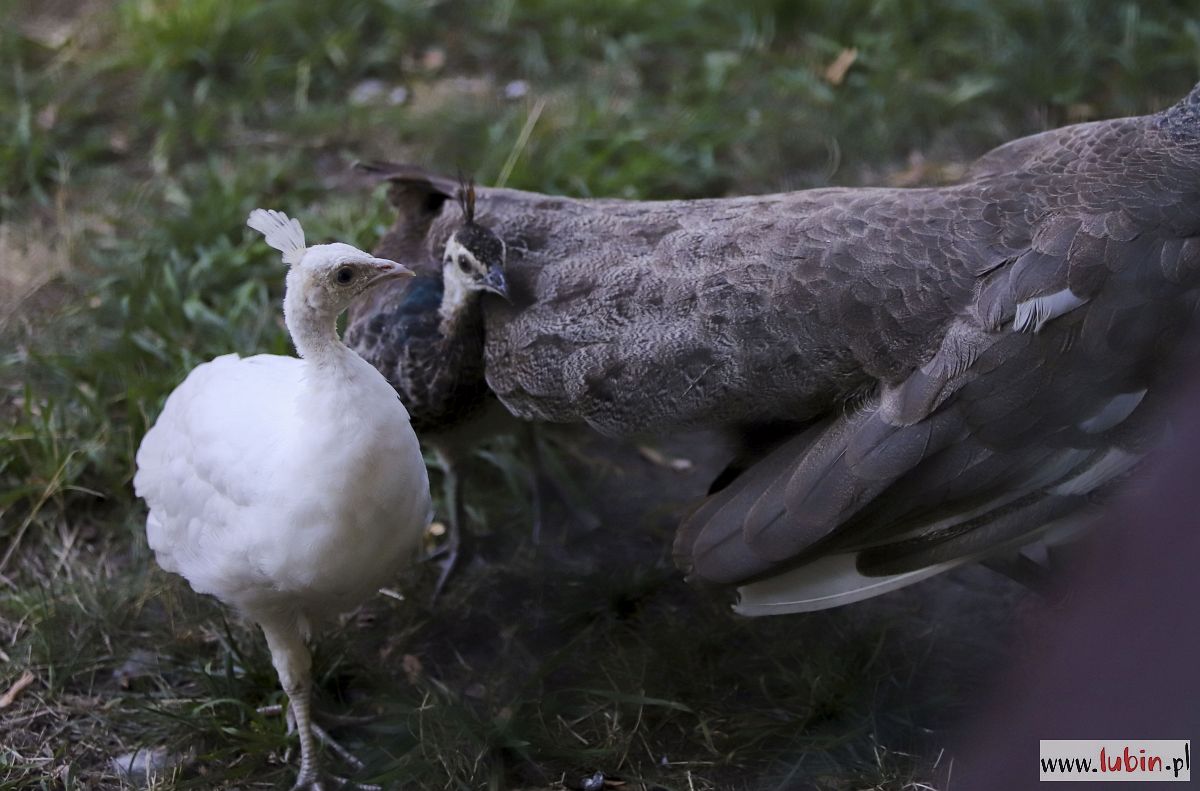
473	259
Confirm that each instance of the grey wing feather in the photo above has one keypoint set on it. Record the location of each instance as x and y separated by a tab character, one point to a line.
1010	434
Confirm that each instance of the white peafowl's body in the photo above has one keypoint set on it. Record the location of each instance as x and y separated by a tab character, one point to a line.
290	489
259	502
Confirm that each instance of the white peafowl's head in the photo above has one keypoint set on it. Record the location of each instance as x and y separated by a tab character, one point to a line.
325	277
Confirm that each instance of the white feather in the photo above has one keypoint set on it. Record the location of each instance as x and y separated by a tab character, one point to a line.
1116	410
1113	463
827	582
272	491
1032	314
281	232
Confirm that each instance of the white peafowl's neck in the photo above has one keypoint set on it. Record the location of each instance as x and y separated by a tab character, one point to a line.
313	326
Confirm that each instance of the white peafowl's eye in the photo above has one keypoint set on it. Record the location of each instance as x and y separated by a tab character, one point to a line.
344	275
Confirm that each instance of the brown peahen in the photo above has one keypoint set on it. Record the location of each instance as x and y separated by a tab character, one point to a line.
931	376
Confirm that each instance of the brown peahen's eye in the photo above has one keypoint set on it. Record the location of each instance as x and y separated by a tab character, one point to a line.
463	265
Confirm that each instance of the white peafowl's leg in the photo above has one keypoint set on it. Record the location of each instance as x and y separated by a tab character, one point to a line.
293	664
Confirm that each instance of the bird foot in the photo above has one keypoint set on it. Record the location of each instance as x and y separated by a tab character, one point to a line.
315	781
311	781
446	556
318	782
447	560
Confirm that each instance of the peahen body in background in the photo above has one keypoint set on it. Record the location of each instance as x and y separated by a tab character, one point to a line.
930	376
427	340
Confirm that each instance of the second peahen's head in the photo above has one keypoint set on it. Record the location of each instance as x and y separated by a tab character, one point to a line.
473	259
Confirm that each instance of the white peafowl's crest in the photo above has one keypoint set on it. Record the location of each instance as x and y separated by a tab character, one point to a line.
282	232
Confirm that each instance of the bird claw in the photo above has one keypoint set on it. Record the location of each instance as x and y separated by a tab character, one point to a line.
446	555
324	738
310	783
447	559
313	782
318	782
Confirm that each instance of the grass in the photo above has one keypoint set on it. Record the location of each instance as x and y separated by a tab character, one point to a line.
141	133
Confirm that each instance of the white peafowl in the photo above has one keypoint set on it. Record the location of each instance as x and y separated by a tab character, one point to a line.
290	489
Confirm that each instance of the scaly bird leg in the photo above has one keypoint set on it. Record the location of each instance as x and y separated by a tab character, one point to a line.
320	733
293	664
549	474
455	521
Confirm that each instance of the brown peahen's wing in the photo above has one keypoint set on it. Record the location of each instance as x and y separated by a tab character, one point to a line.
1044	389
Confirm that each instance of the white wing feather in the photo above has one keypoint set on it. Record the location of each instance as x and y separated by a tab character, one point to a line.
827	582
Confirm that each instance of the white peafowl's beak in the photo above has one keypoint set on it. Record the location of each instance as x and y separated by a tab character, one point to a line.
387	270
